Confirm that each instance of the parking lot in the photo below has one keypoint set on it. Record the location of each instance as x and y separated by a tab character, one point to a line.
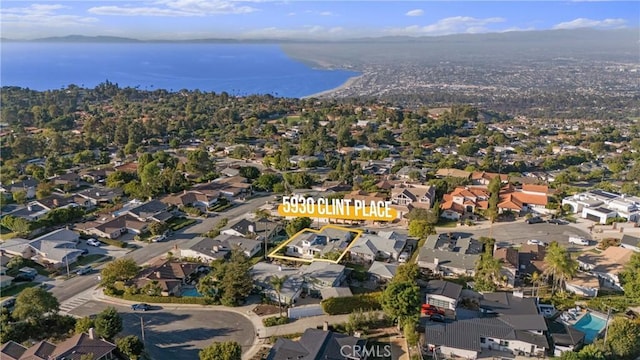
178	334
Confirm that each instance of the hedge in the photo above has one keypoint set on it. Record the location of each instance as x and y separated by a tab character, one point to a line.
114	242
182	224
275	320
166	299
347	305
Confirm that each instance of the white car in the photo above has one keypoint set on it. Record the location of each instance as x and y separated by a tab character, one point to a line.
578	241
93	242
536	242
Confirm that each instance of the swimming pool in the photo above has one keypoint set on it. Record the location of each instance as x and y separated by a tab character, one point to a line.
591	326
192	292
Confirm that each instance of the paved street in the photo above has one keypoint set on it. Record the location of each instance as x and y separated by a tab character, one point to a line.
178	334
64	290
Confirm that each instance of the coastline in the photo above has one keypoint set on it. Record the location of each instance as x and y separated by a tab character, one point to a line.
347	84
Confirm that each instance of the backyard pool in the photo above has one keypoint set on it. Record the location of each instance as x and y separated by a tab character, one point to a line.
591	326
191	292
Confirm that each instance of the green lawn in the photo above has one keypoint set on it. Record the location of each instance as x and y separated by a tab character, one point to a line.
88	259
6	233
447	223
14	290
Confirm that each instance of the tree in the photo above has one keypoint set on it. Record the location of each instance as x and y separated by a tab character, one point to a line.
228	350
623	339
20	196
408	272
235	279
494	198
123	269
33	303
156	228
208	286
84	324
559	265
297	224
108	323
401	301
420	229
130	346
250	172
357	321
88	356
487	271
630	277
277	282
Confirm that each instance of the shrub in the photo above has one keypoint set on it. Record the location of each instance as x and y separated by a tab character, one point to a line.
167	299
347	305
182	224
275	320
114	242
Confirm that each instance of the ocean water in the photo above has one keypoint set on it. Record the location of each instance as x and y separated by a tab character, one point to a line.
238	69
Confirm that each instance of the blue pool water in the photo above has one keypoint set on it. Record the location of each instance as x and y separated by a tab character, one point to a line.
591	326
191	293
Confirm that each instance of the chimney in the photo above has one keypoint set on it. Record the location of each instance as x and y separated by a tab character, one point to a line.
325	326
518	294
92	334
158	275
436	261
279	268
251	229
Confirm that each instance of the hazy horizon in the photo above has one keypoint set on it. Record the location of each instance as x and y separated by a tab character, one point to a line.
302	20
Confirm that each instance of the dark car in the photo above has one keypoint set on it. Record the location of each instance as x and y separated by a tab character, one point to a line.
24	277
84	270
437	318
535	220
141	307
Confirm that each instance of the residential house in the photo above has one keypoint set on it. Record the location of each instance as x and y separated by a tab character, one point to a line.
154	210
469	338
75	348
28	186
230	187
310	244
607	265
449	254
531	259
564	337
505	303
262	274
95	175
442	173
382	271
192	198
407	172
319	344
509	259
443	294
483	177
114	228
169	275
421	196
218	248
630	242
600	206
100	195
320	275
369	247
243	228
67	181
57	248
583	284
462	201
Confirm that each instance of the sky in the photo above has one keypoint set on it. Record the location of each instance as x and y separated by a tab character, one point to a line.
302	19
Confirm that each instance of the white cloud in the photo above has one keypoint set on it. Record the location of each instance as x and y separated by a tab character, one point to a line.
41	16
326	13
590	23
176	8
415	12
450	25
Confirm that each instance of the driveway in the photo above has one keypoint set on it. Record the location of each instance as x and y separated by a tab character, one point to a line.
178	334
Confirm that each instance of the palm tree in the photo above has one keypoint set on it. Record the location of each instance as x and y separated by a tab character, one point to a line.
277	283
535	280
559	265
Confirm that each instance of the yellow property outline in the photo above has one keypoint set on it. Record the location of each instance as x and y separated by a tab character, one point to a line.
274	254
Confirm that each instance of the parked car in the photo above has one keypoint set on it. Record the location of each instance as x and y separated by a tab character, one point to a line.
578	240
534	220
93	242
437	318
84	270
557	222
84	251
404	256
536	242
141	307
159	238
8	303
428	309
24	277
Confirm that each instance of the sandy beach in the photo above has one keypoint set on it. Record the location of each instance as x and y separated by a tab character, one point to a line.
350	81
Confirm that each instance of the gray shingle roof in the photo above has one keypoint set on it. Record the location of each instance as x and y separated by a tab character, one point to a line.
314	345
507	304
630	240
444	288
